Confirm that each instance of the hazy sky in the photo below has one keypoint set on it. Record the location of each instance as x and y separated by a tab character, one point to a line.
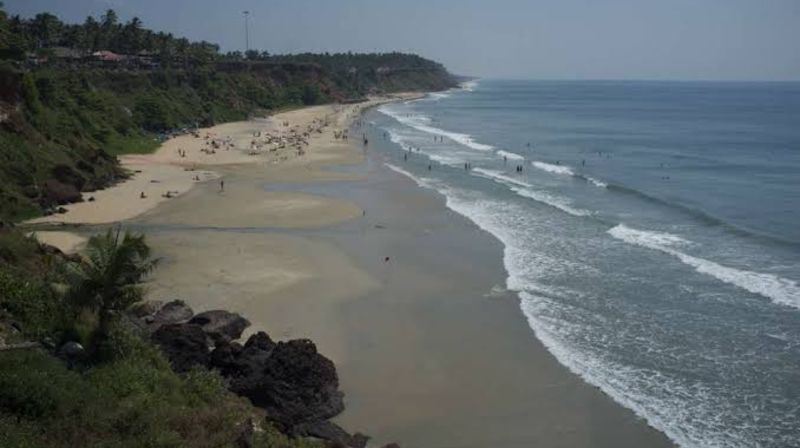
552	39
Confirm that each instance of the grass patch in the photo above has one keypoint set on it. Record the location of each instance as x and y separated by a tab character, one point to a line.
135	144
133	401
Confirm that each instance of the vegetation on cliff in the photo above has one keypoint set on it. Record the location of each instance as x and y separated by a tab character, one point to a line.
73	96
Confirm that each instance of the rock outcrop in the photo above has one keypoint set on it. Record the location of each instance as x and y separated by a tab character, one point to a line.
185	345
171	313
296	386
220	325
290	380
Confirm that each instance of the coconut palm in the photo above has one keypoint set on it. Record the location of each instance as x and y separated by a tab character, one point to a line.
108	279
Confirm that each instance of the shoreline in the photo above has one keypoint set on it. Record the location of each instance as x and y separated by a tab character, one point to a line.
465	367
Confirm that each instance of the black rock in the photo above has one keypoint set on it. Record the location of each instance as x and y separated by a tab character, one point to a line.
71	350
243	364
146	308
171	313
185	345
295	385
72	353
220	325
260	341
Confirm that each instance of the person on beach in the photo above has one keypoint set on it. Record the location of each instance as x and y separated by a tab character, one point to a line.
221	185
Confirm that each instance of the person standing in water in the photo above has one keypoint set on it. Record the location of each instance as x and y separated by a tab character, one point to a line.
221	185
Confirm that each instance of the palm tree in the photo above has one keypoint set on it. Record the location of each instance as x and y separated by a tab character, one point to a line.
108	279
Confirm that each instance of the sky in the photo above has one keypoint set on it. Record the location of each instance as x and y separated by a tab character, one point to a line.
520	39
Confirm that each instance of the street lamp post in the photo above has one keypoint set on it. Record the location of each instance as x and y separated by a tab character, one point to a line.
246	31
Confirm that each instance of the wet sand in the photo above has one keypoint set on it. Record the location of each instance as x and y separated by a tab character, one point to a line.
428	353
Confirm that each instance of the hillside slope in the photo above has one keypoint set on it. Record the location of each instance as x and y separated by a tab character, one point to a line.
66	110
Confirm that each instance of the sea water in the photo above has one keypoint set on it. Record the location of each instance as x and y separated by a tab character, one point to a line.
652	235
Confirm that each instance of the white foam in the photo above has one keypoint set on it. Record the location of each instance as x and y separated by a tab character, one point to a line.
596	183
469	86
555	169
566	170
438	157
551	200
779	290
418	180
499	175
436	96
419	122
526	190
510	155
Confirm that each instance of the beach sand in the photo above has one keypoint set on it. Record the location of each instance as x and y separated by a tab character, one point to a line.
430	350
167	171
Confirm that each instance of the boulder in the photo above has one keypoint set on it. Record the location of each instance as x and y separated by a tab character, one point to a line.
171	313
185	345
220	325
295	385
260	341
243	364
71	350
146	308
72	353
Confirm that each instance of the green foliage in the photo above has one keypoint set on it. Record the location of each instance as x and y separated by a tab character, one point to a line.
42	389
152	113
32	303
107	279
132	402
31	95
25	293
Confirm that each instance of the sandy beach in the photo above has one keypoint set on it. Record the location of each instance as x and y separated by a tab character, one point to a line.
430	350
302	139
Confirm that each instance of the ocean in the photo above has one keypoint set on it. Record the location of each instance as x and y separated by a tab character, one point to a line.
652	235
